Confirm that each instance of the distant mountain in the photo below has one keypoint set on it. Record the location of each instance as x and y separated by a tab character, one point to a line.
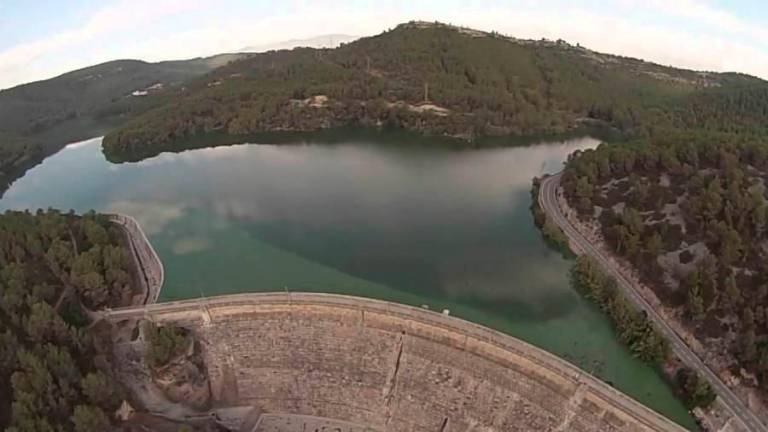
39	118
323	41
442	80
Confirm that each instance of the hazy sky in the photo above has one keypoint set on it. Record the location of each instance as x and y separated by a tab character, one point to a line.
43	38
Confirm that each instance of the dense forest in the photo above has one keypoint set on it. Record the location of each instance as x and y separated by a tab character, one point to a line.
690	214
55	268
442	80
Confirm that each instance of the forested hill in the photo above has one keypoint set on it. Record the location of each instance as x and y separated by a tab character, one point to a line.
442	80
39	118
691	217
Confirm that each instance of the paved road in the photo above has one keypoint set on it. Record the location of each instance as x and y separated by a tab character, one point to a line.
548	202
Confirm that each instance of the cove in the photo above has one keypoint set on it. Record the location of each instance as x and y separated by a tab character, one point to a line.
387	217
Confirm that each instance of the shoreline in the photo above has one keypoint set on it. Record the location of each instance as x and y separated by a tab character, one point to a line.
644	299
331	134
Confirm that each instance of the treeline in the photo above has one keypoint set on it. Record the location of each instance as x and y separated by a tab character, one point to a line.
703	199
633	327
489	85
635	330
54	370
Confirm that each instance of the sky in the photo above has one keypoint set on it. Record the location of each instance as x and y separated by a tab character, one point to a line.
44	38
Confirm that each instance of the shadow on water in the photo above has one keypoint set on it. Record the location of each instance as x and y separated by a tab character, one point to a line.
345	134
414	274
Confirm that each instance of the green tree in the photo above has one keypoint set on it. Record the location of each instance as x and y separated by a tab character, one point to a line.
697	391
93	289
759	213
95	233
164	343
732	291
584	192
695	300
44	325
88	418
654	245
712	201
730	245
100	391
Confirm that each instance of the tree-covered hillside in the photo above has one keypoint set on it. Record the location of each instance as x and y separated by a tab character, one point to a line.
39	118
55	268
690	214
444	80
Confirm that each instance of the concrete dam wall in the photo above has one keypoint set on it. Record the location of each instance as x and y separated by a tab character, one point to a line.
149	267
390	367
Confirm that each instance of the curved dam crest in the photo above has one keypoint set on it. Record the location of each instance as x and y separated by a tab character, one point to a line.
389	366
151	273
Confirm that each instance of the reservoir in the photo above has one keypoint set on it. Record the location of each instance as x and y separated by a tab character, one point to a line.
375	215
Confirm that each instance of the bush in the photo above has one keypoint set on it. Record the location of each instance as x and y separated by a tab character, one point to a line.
696	391
164	343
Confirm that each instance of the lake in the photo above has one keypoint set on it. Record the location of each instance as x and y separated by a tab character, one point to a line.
393	218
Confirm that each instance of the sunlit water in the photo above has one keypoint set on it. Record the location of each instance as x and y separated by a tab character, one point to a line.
423	225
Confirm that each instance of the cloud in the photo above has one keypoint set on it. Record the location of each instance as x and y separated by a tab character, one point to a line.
684	33
153	217
188	245
122	16
680	45
703	13
611	32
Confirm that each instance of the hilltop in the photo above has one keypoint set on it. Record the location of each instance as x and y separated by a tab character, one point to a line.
442	80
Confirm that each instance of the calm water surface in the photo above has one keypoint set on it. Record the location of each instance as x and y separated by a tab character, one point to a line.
419	224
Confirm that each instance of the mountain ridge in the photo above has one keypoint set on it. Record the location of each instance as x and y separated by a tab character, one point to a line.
39	118
443	80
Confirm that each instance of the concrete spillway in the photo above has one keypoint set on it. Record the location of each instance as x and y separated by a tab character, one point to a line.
389	367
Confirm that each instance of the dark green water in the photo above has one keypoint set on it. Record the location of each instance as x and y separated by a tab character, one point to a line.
418	224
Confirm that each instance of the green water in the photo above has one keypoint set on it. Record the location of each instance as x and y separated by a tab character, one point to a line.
394	219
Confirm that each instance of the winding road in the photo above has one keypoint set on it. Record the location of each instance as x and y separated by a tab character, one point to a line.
579	243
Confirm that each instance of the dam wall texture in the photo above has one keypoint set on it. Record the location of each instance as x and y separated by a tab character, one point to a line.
150	269
390	367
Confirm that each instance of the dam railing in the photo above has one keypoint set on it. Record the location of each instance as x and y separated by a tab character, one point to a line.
151	273
453	324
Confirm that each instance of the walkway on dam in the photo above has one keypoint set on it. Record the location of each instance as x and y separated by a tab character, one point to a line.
215	311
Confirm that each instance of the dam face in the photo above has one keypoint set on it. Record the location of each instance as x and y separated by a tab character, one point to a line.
390	367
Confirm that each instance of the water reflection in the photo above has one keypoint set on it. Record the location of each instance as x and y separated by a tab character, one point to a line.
430	220
419	224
